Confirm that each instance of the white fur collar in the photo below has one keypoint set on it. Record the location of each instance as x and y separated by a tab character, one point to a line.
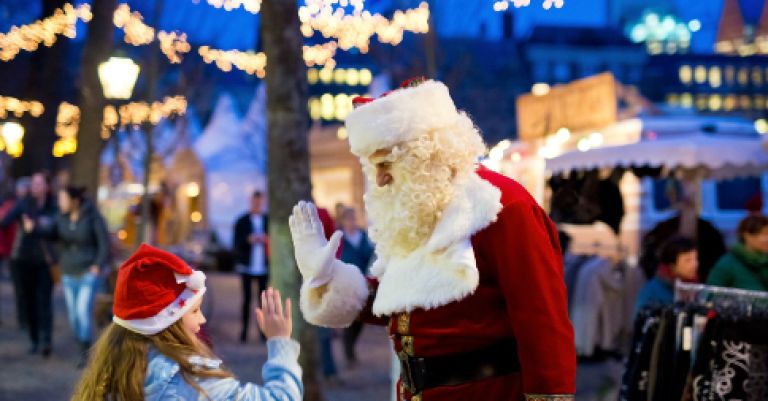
444	269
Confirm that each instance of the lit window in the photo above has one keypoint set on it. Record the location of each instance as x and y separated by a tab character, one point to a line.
743	76
315	108
715	102
730	74
312	76
326	75
685	74
339	76
343	105
715	77
353	78
759	102
686	100
365	76
729	103
745	102
673	99
700	74
327	109
757	76
701	101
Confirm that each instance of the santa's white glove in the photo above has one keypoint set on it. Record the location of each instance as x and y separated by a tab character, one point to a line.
315	255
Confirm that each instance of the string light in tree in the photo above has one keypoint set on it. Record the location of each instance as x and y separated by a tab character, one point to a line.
252	6
356	29
137	113
132	23
29	37
67	120
503	5
173	45
321	54
19	107
250	62
131	114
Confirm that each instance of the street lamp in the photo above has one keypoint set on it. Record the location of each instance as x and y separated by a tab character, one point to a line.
118	76
12	133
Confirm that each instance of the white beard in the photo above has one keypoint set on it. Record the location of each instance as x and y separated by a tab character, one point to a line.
404	213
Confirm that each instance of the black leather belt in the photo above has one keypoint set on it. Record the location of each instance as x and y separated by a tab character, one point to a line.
418	374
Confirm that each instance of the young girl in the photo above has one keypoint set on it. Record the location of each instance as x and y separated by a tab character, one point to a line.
151	350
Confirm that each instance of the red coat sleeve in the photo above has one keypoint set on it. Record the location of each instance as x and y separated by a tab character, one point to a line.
524	247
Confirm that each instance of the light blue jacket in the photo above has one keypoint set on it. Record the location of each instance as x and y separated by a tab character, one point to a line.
281	374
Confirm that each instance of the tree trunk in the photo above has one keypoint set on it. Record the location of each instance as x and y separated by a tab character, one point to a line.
44	83
288	164
98	46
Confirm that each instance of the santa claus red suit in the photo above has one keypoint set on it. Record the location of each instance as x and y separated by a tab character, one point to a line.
468	276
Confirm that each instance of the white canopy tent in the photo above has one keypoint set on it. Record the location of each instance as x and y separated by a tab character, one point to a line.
716	156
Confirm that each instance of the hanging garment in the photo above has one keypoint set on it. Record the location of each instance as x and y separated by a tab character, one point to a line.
635	382
597	307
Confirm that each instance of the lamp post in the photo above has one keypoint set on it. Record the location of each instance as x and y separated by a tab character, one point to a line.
118	76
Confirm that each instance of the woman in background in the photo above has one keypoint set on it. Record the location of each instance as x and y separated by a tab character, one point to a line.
84	251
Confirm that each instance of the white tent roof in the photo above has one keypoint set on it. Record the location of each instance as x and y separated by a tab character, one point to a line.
718	156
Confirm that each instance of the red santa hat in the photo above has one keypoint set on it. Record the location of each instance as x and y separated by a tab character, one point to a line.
417	107
154	289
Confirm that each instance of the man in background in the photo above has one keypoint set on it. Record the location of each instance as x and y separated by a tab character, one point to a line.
250	243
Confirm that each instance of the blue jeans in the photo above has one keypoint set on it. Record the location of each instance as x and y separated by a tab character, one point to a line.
79	294
325	336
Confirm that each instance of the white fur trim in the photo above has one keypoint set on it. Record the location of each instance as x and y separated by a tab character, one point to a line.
403	114
339	302
195	281
168	316
444	269
427	280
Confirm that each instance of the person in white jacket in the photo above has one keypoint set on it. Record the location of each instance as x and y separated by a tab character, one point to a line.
152	352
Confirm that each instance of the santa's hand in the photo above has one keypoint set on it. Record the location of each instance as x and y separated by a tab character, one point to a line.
315	255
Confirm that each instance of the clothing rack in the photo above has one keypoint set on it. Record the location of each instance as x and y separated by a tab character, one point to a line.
749	302
693	292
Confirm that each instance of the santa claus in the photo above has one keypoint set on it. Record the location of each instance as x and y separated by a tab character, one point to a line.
468	276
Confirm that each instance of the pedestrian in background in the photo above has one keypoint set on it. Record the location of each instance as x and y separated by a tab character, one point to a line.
678	260
83	240
250	243
7	235
745	266
7	239
357	250
33	257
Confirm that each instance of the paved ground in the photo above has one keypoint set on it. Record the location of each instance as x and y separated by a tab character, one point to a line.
25	377
32	378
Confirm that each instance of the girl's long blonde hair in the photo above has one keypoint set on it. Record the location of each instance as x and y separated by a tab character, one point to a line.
118	363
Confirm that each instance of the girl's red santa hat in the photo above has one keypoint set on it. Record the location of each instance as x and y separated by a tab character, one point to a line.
154	290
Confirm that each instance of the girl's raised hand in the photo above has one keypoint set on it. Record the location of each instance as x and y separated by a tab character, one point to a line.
273	319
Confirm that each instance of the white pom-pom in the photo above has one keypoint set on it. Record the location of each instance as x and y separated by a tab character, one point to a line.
196	280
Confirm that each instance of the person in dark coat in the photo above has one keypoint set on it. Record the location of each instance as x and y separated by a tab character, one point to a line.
84	245
678	261
357	250
746	265
7	239
251	248
32	257
709	244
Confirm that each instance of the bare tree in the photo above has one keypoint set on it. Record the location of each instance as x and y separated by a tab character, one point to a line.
98	46
288	160
44	83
